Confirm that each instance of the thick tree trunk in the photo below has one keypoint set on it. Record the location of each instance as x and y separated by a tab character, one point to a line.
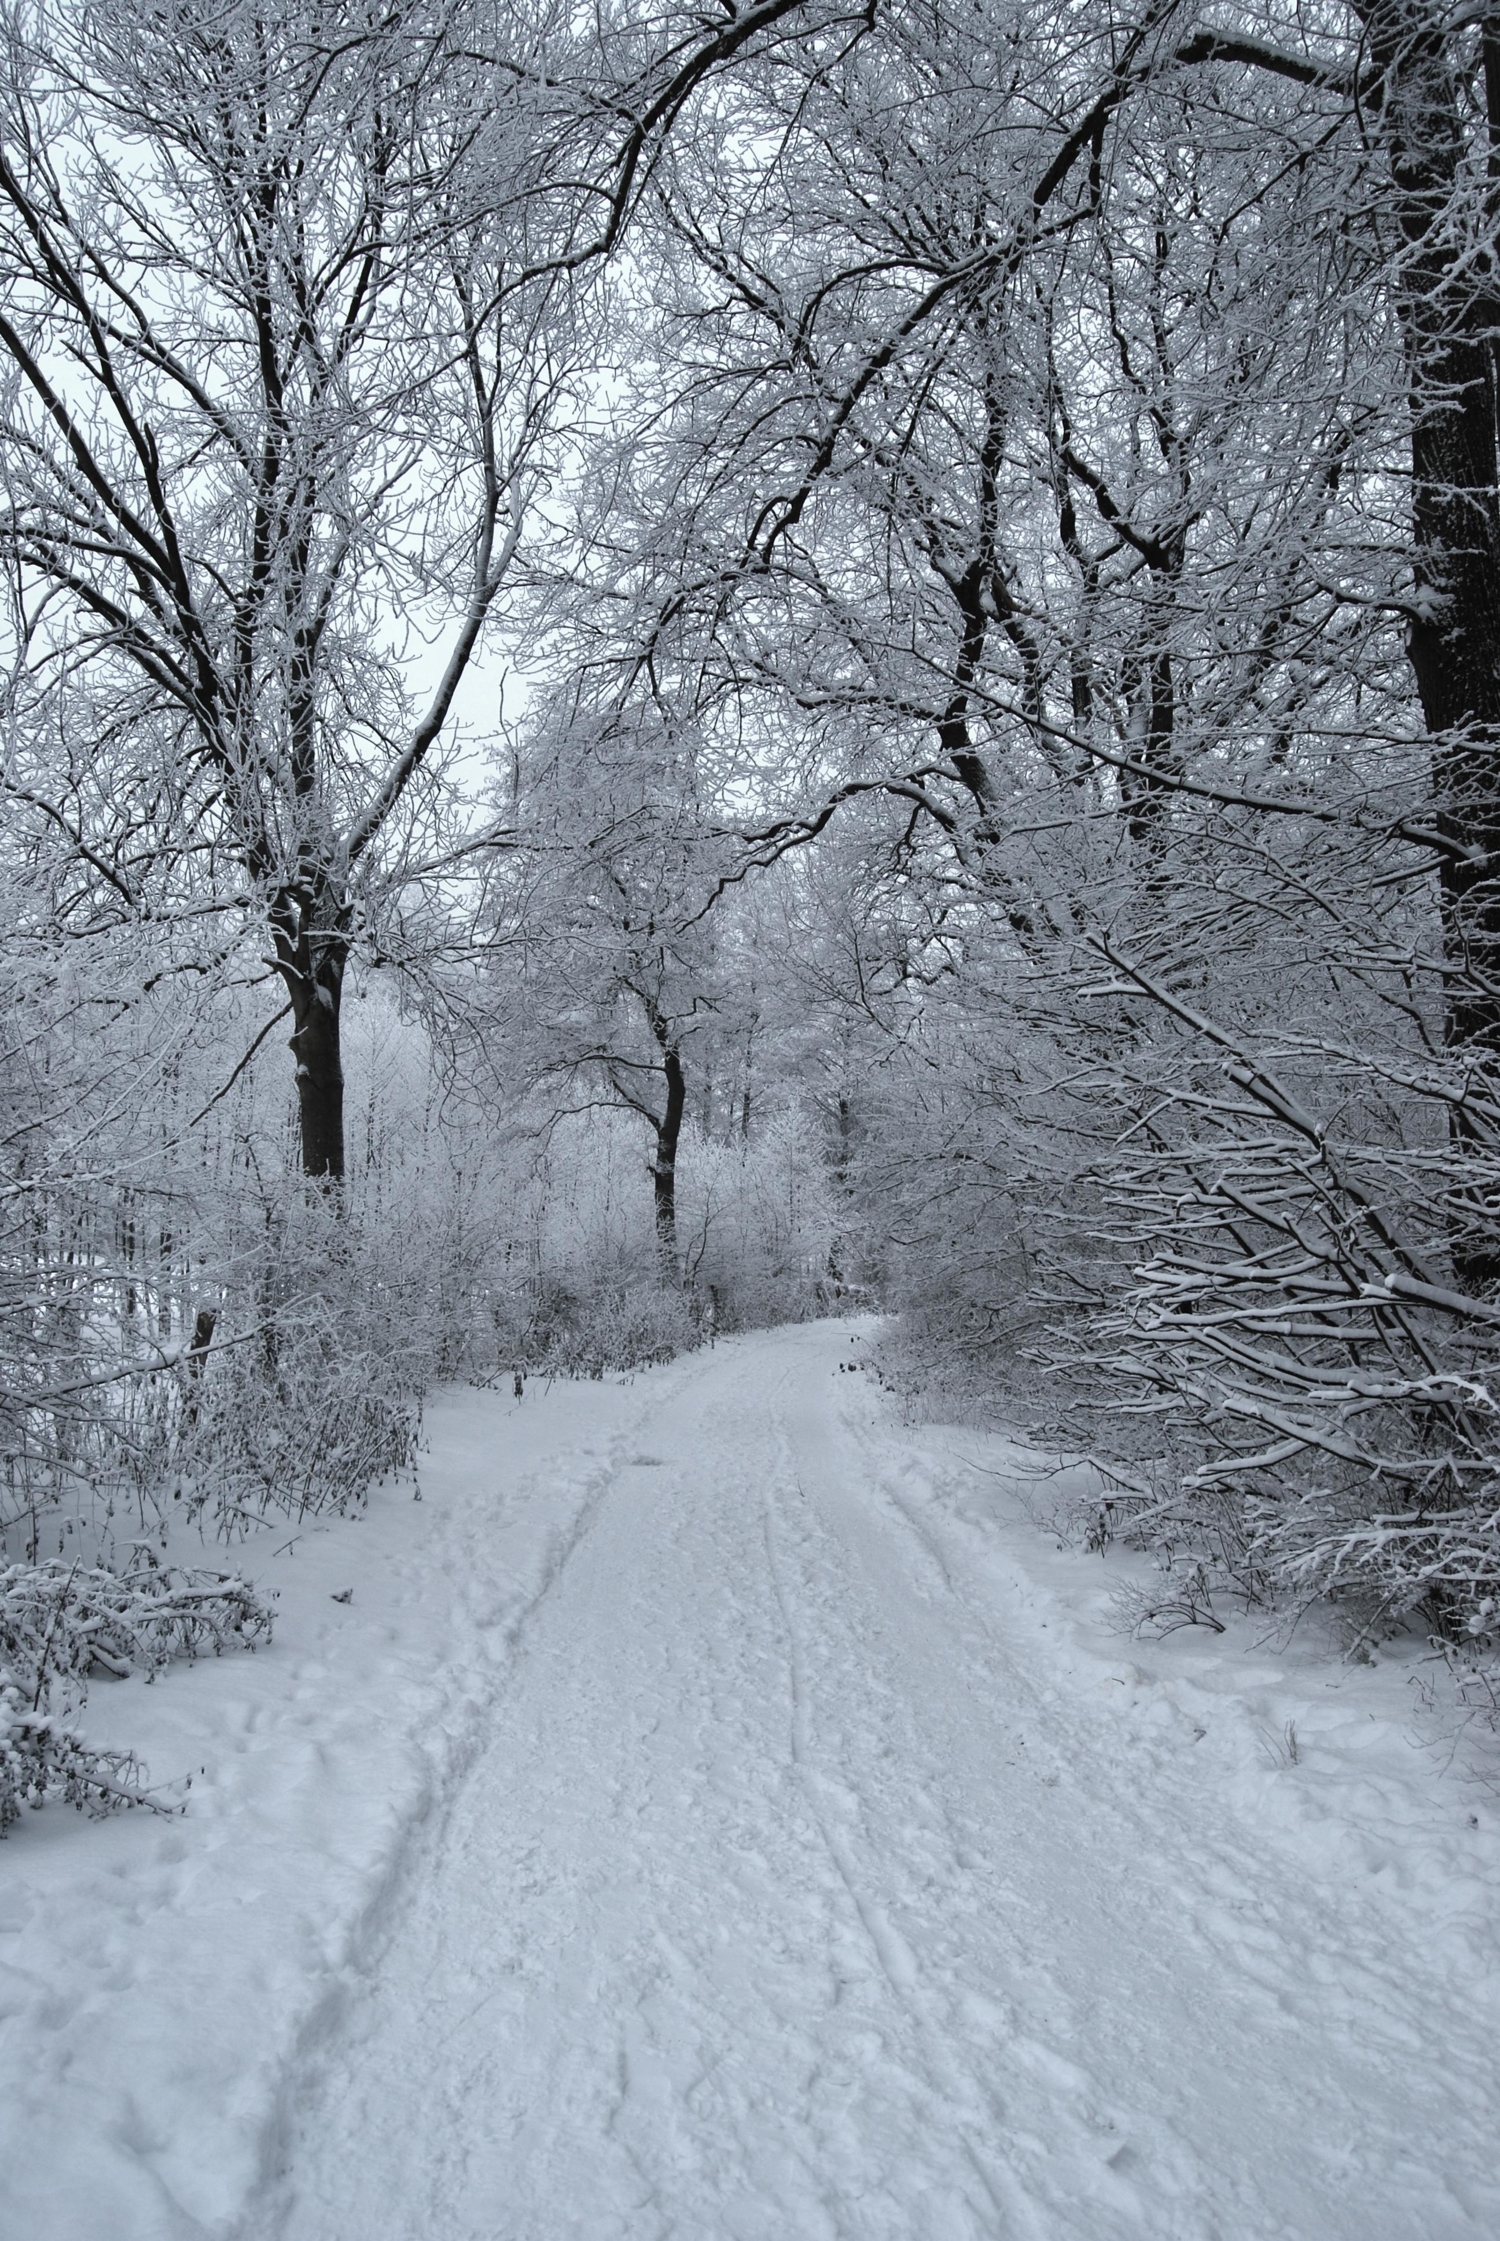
312	965
320	1080
1447	302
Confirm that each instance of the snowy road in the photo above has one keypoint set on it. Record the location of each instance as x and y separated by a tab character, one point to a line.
800	1891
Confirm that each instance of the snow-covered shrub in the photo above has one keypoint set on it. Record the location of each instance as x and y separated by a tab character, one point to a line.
1307	1334
302	1419
59	1621
1182	1596
622	1324
96	1219
40	1758
306	1389
561	1269
1225	1216
1200	1187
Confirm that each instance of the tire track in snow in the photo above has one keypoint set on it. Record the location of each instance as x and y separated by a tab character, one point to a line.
983	1995
426	1831
897	1961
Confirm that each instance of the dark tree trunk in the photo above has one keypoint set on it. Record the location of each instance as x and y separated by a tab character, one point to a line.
311	958
1448	310
1146	792
320	1076
668	1137
197	1358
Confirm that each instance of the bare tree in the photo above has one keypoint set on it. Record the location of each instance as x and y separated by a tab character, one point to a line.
274	419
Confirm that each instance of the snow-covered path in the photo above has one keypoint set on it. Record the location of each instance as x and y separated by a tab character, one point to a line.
800	1886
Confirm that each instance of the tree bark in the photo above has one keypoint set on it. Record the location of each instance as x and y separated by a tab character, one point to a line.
1447	302
320	1082
668	1137
311	963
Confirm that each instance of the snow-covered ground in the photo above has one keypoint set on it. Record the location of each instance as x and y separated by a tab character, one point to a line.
720	1813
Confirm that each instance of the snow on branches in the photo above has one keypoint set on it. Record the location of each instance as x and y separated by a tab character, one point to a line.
58	1624
42	1759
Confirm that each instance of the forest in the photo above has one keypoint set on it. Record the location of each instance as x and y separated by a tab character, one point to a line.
671	668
